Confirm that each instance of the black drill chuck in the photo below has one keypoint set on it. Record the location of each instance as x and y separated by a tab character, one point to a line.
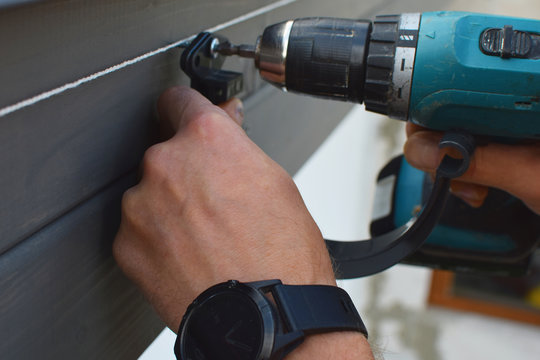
343	59
326	57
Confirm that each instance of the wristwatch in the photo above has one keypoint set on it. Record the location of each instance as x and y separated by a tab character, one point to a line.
263	320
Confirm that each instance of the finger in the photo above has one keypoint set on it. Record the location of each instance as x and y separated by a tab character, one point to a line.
411	128
507	167
472	194
178	105
422	150
235	109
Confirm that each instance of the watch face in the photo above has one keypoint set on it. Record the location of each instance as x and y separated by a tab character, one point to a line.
228	325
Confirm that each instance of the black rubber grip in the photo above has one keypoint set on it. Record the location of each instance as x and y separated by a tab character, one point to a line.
326	57
380	63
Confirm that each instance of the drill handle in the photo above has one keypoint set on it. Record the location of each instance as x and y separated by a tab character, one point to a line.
362	258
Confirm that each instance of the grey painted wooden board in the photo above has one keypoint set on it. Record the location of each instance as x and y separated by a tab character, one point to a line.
64	150
64	298
63	158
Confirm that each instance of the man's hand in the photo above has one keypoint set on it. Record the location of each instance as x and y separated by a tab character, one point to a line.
512	168
210	207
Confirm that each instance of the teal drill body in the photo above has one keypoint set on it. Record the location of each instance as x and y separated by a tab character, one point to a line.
458	86
455	72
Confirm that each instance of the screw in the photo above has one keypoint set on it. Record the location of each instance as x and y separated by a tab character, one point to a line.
214	48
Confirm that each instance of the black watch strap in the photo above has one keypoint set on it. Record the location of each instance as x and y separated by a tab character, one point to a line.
317	308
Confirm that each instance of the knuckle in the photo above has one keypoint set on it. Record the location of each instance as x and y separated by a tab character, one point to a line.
124	251
280	182
122	244
207	126
155	160
284	179
130	204
130	231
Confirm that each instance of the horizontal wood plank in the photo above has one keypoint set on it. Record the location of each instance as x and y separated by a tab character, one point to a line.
50	43
62	296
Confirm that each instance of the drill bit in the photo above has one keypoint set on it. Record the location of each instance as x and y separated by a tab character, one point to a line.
228	49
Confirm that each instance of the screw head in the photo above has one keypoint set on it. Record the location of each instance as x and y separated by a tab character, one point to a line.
214	47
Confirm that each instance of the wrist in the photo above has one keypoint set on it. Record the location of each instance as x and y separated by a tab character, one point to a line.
265	319
343	345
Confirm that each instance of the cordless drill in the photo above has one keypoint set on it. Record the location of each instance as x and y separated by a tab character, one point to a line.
447	71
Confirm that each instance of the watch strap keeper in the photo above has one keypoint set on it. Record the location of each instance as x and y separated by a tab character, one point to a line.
317	309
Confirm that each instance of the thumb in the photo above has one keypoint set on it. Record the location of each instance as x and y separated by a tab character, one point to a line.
235	109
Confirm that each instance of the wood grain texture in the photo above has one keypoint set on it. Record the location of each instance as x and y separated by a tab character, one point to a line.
67	160
64	298
61	152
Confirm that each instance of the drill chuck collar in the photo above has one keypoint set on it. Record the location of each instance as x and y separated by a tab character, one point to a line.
327	58
343	59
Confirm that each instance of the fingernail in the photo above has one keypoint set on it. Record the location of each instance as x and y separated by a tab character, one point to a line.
422	151
239	110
